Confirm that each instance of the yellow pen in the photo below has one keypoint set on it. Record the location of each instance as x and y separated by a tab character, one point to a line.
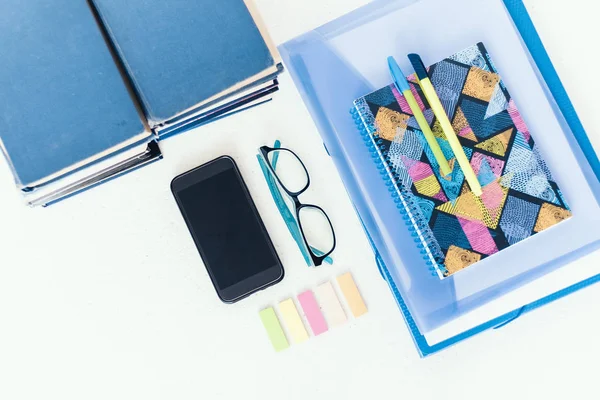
440	114
404	88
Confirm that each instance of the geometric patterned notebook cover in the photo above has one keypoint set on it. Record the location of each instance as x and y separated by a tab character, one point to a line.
457	228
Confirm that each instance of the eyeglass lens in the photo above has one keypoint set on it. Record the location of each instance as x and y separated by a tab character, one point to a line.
290	170
317	228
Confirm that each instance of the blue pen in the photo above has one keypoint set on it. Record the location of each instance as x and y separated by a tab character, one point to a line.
403	87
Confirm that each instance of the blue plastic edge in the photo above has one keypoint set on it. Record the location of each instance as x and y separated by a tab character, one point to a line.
524	24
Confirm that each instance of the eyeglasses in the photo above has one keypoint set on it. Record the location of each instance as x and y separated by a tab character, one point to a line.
310	227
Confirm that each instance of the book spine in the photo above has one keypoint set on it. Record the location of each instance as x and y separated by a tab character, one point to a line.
408	208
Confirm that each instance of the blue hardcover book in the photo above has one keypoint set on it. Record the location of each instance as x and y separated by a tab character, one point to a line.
64	105
345	60
87	88
186	58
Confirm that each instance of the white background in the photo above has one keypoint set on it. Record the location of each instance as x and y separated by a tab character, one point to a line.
105	297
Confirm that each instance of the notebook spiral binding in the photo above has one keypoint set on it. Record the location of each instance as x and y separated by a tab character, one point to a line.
407	206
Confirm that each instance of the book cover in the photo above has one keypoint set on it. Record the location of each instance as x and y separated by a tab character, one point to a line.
63	102
182	55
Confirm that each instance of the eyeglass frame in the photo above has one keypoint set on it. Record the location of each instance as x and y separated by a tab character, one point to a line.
284	210
298	205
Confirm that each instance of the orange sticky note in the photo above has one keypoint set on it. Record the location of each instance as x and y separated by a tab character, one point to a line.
352	295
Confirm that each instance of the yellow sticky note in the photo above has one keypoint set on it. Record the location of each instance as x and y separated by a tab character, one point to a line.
352	295
292	320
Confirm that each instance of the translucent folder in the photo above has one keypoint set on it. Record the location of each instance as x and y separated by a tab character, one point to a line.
346	59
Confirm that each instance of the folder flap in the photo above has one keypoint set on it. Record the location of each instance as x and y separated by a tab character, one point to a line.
331	84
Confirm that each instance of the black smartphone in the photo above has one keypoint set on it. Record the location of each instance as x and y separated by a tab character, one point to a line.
227	229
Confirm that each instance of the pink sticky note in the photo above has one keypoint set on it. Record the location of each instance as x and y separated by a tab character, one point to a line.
313	312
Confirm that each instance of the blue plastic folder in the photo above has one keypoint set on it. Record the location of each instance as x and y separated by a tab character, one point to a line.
343	60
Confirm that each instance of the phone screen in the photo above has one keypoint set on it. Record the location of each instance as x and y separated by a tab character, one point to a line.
228	231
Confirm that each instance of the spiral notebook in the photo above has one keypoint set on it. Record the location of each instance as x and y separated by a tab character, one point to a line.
453	227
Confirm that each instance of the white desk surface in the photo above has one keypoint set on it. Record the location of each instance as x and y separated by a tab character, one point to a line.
105	297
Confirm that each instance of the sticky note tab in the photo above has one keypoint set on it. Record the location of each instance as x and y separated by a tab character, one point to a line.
330	305
292	321
271	324
313	312
352	295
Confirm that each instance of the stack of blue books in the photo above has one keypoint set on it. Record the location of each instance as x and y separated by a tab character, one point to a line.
87	89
